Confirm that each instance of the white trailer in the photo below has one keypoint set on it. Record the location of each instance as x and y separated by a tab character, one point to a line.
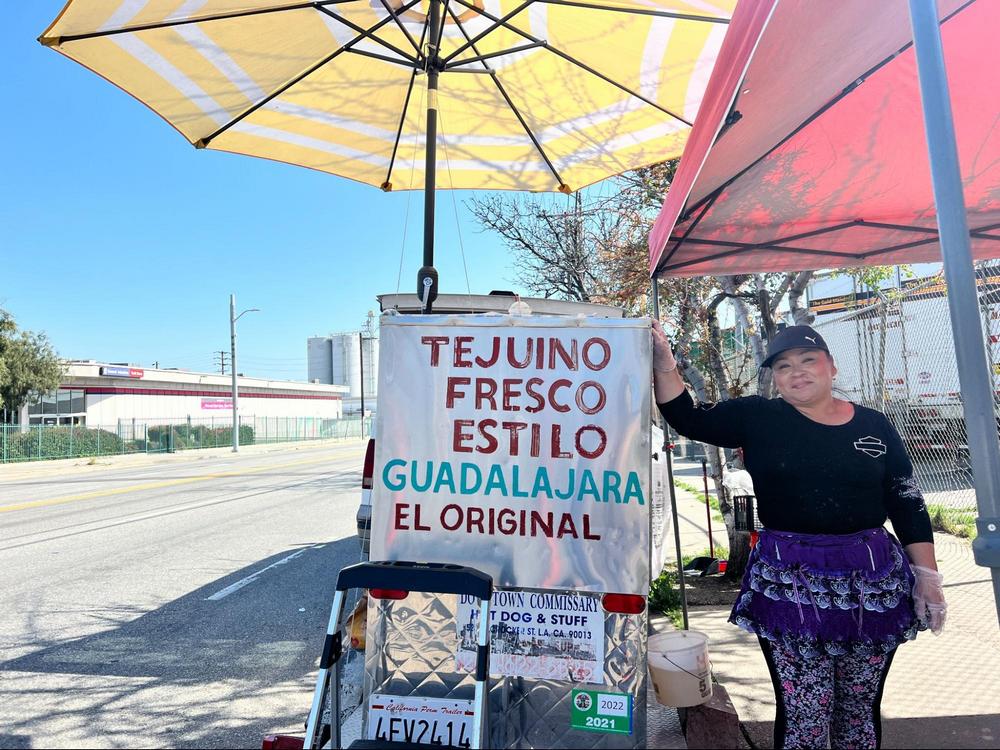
898	356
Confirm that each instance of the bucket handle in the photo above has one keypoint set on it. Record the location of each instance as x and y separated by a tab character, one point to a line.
696	676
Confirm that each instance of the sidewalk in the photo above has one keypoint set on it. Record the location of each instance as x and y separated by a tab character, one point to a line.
942	692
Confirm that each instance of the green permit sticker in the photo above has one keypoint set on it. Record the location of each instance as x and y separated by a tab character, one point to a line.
599	711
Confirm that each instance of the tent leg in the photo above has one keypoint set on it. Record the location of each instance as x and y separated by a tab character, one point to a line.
427	277
956	251
670	482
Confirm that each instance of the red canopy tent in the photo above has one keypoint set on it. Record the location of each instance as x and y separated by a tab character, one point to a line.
825	163
810	152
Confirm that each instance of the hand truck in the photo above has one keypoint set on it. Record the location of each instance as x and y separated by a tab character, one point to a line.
395	580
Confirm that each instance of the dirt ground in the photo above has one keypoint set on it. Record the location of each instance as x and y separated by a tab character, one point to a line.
704	590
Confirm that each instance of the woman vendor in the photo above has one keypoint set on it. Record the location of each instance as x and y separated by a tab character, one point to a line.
828	591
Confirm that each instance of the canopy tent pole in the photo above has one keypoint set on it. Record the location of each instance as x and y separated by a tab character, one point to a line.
669	454
977	388
427	277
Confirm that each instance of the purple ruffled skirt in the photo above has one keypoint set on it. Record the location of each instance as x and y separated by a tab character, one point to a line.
828	594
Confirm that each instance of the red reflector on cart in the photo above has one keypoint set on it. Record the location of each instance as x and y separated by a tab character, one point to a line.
388	593
369	469
624	604
282	742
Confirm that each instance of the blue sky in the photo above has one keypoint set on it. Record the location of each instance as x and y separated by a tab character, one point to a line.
123	243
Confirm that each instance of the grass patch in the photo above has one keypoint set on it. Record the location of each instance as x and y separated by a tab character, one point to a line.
665	593
665	596
955	521
721	553
713	502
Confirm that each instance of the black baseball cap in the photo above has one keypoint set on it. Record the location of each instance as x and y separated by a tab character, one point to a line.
794	337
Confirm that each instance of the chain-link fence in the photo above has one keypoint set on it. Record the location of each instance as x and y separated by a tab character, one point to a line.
42	442
896	353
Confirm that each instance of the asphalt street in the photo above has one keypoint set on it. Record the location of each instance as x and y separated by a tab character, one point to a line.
180	602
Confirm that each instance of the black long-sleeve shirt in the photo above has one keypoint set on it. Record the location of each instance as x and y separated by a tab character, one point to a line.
812	478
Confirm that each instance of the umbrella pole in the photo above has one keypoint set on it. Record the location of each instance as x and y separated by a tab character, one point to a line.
956	252
669	455
427	277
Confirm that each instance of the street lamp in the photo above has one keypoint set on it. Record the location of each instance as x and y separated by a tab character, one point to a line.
233	317
367	328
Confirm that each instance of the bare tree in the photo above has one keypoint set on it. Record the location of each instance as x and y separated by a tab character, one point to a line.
596	250
554	251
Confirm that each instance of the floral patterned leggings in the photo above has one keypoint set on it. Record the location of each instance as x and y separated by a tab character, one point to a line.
826	701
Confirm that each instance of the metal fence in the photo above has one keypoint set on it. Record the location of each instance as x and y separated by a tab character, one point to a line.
896	353
43	442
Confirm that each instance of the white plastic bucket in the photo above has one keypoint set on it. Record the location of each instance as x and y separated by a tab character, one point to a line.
680	669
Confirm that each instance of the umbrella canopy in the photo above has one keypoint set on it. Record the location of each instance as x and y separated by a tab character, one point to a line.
533	94
810	152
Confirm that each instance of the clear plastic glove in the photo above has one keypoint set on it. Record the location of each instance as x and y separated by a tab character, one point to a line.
663	355
928	598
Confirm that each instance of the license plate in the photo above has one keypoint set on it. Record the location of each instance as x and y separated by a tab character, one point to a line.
424	721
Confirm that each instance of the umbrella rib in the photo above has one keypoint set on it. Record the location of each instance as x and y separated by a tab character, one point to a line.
203	142
639	11
497	23
503	92
408	64
370	33
387	185
402	27
569	58
501	53
54	41
440	31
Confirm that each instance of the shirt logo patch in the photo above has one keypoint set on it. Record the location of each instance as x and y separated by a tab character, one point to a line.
872	446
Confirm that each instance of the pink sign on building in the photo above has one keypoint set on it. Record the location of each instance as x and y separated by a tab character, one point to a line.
216	403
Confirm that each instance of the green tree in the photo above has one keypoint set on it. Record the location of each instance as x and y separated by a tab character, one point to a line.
28	364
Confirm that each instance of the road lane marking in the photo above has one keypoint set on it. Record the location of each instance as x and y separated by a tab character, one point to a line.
232	588
153	485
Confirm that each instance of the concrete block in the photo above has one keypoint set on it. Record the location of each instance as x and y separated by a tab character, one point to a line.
714	724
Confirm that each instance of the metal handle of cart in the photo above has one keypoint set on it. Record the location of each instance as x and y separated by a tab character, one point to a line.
431	578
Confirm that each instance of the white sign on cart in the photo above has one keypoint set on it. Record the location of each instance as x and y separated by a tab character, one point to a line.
516	445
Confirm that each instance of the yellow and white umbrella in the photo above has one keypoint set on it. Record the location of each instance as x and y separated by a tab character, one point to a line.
528	94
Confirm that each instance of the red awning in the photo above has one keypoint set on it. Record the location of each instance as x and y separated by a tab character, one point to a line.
816	157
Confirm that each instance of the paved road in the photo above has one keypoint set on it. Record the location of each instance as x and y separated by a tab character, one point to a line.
177	603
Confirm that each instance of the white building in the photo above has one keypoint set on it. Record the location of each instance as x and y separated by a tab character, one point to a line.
100	394
337	359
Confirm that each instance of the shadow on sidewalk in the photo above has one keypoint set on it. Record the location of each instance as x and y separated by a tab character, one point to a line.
946	732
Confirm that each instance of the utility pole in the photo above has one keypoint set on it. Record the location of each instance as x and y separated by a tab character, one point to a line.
221	361
233	317
367	328
361	378
232	352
